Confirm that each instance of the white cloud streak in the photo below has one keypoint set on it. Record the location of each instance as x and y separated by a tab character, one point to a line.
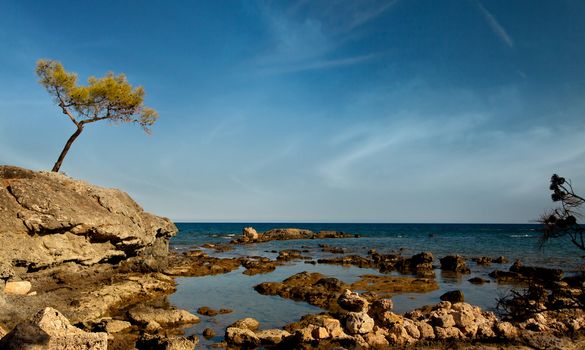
310	42
319	64
495	26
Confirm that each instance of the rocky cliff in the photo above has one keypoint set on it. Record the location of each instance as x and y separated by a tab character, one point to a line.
47	219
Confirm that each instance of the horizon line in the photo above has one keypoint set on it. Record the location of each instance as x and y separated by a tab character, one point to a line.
355	223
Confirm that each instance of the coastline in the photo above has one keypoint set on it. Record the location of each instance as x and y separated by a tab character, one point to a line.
114	285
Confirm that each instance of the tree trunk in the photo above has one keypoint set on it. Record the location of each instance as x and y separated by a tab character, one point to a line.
77	132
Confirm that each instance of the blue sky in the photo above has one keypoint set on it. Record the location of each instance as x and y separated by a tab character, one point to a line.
334	111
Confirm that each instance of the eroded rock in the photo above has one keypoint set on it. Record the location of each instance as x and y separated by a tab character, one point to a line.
359	323
49	218
455	263
314	288
143	315
49	329
159	342
352	301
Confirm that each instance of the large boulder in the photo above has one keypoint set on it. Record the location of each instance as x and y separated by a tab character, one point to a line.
49	329
48	218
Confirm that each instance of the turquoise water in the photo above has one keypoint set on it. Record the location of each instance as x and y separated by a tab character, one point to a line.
235	290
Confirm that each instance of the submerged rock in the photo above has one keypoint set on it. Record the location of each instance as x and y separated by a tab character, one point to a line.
385	285
208	333
314	288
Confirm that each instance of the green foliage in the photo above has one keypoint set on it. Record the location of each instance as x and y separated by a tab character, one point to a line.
110	97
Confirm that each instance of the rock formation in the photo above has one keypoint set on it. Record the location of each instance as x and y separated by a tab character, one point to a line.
48	218
49	329
249	235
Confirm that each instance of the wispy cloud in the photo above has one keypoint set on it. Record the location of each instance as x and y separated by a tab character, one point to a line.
366	14
495	26
308	35
385	141
318	64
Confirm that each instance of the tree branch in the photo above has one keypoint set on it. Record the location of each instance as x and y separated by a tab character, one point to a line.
94	119
64	108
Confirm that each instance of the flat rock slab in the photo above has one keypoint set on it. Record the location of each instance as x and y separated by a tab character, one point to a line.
143	315
385	286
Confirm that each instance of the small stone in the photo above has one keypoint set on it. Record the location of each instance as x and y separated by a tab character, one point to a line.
225	311
6	271
208	333
478	280
250	233
359	323
445	305
501	260
272	336
442	318
32	294
206	311
115	326
352	301
389	318
399	335
376	340
334	328
379	307
426	330
320	333
305	335
17	287
152	326
411	328
159	342
241	336
506	330
246	323
448	333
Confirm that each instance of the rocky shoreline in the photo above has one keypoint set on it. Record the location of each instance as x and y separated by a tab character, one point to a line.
85	267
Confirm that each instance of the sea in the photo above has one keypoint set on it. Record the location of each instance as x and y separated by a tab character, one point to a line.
235	291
